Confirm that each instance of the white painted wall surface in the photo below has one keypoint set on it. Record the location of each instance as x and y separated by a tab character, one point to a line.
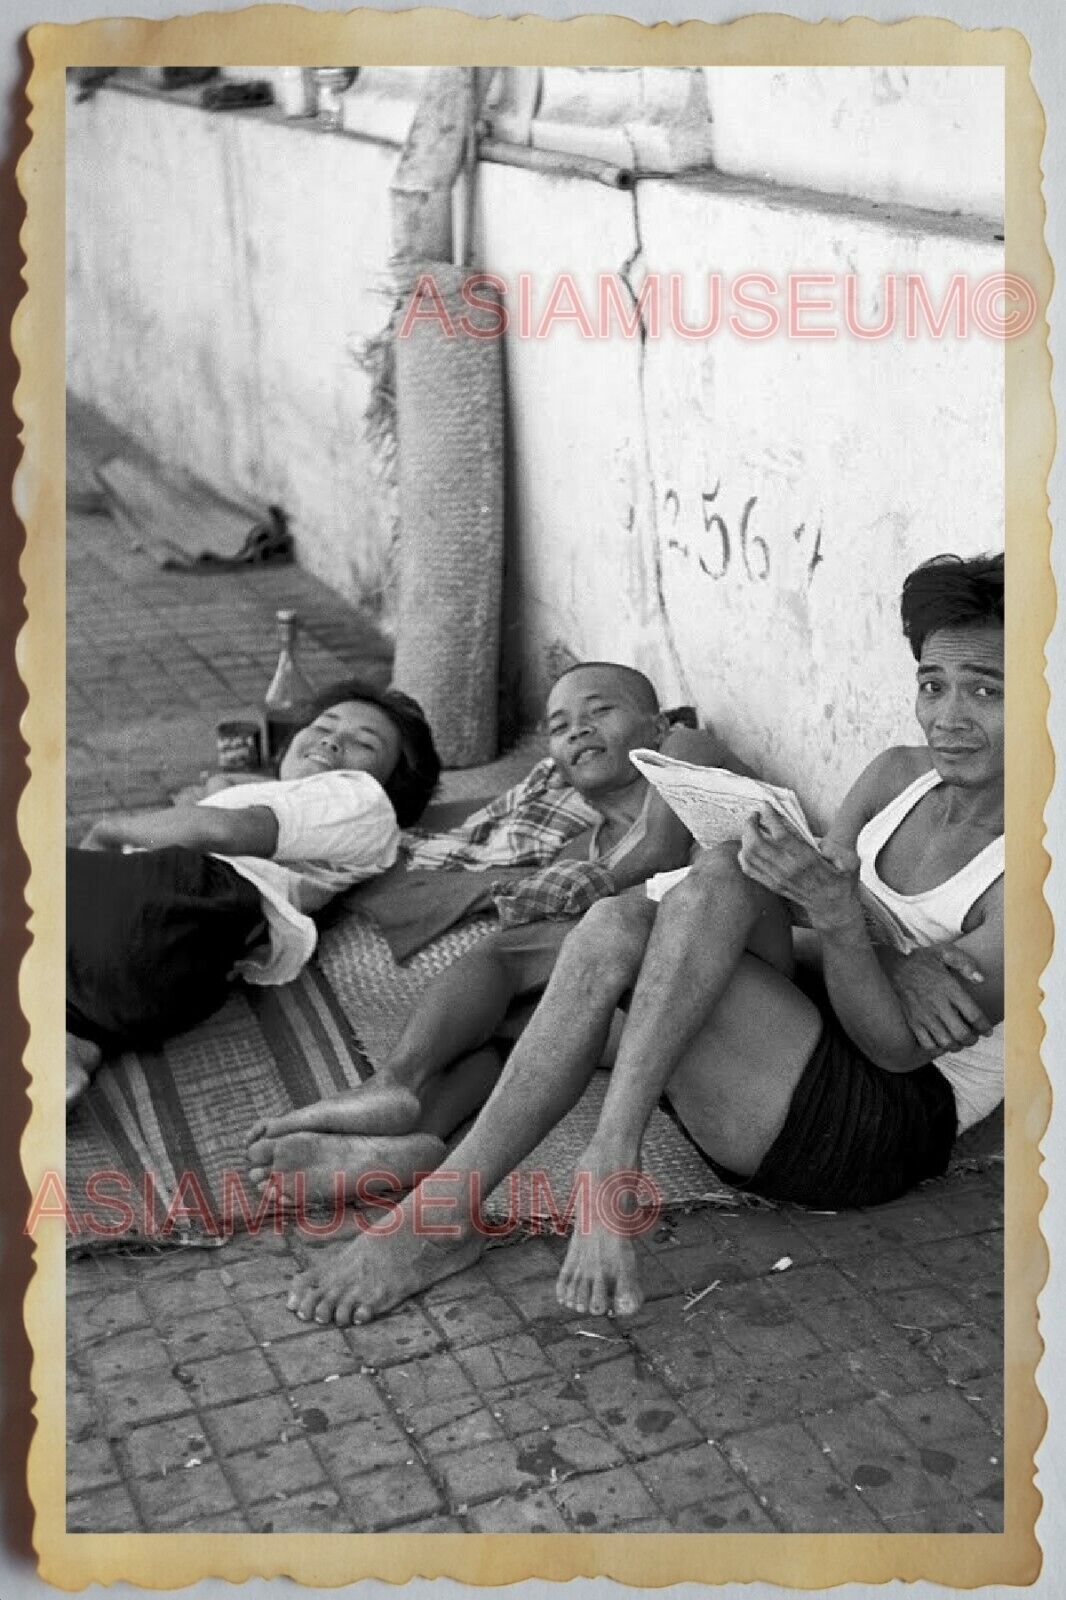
919	136
220	269
887	452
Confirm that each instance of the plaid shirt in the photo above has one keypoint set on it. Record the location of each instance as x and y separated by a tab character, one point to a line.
525	827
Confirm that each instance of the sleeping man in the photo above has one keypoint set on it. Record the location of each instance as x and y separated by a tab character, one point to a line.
446	1061
848	1100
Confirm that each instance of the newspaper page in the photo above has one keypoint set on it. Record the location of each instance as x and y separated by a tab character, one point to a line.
713	802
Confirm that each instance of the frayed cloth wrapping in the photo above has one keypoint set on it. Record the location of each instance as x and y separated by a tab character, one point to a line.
449	395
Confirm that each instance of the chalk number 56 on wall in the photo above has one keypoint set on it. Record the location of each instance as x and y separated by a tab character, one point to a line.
718	546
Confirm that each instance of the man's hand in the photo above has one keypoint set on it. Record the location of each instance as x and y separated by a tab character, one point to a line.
940	1010
823	883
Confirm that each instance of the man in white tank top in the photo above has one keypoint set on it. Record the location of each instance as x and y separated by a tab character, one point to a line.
844	1101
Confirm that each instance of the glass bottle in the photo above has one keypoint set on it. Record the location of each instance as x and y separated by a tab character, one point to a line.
289	698
331	82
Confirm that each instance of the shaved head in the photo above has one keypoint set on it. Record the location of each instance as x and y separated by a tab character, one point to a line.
638	689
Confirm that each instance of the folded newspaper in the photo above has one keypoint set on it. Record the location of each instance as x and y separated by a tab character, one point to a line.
713	802
714	805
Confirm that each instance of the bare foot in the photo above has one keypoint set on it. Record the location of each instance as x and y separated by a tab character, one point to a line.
599	1274
377	1106
83	1058
370	1275
363	1166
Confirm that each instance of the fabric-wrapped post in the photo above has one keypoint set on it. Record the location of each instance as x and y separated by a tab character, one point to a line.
449	395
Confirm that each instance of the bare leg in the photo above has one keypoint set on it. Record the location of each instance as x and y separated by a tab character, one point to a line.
460	1091
363	1165
704	927
457	1014
463	1007
545	1076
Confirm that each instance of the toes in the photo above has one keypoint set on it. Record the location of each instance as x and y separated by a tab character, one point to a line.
303	1295
326	1305
598	1298
628	1295
566	1289
351	1306
261	1154
256	1131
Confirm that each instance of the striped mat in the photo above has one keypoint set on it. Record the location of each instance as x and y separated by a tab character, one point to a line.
155	1151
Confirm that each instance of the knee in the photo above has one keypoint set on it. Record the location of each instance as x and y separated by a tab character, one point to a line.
609	942
714	875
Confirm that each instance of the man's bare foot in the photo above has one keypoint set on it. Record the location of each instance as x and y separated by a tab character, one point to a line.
599	1274
370	1275
377	1106
83	1058
363	1166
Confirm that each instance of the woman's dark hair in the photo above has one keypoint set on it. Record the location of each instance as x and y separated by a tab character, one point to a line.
413	780
950	592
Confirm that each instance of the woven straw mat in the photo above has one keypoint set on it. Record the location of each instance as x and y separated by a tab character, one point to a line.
166	1128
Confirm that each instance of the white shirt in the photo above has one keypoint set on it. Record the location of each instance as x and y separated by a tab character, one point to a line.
334	829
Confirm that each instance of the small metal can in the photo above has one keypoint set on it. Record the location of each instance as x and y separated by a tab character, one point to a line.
239	748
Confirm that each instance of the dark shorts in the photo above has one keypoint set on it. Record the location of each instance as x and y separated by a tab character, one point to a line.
152	938
855	1135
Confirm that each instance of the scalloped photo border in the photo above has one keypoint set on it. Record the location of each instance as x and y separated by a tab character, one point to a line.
288	35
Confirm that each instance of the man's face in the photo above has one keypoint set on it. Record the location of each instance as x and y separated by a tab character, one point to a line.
353	736
960	703
595	717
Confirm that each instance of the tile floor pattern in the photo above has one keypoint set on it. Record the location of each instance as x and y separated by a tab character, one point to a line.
858	1390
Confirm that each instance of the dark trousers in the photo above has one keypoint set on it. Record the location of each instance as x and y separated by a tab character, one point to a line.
152	938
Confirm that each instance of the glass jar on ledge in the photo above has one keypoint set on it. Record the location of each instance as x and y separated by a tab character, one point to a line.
330	85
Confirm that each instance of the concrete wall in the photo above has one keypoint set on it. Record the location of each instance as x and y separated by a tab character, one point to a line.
220	268
854	460
922	136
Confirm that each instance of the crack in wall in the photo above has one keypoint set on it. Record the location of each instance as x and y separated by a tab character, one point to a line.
655	541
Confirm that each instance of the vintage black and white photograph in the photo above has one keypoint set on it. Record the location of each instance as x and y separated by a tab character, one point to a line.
535	798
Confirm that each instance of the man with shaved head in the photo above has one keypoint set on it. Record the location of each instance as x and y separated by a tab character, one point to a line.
449	1057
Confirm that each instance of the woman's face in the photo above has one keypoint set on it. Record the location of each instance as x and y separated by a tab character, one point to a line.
353	736
960	703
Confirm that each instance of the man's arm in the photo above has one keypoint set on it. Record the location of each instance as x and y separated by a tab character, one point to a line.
667	843
937	987
860	990
248	831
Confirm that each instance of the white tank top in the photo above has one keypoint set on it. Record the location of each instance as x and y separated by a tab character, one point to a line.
936	916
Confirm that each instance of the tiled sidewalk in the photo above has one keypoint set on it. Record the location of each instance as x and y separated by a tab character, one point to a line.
858	1389
155	658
